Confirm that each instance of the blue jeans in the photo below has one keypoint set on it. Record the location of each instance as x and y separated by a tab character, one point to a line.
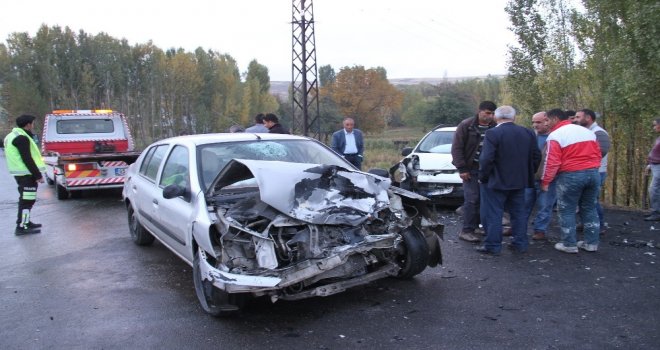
654	189
544	201
578	189
471	203
599	209
493	203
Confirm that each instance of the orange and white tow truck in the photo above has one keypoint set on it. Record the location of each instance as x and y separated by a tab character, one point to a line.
86	150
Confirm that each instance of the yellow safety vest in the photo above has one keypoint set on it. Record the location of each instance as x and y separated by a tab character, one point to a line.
14	161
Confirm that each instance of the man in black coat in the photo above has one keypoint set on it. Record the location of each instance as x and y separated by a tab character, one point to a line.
273	124
507	164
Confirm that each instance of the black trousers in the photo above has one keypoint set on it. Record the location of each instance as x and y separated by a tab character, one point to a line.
354	159
27	195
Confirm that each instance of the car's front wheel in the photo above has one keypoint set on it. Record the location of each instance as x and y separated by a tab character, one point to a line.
139	234
414	254
214	301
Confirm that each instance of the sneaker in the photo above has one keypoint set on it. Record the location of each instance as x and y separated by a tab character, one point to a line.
652	217
560	246
33	225
484	250
24	231
469	237
587	247
538	236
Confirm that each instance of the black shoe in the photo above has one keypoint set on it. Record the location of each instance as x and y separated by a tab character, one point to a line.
33	225
515	248
24	231
483	250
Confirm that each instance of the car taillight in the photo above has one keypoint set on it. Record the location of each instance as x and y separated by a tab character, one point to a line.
79	166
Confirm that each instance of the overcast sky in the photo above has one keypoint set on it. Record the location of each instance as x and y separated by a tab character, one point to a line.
410	38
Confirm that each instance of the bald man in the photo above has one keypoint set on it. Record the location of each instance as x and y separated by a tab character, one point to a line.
544	201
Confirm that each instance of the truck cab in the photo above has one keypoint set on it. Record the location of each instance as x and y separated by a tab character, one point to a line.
86	150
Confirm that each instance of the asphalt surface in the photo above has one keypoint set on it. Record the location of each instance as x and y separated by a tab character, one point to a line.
82	284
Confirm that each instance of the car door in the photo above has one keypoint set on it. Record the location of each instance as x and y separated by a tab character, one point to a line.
174	213
145	189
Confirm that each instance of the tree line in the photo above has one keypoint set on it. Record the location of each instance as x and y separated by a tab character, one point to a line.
603	55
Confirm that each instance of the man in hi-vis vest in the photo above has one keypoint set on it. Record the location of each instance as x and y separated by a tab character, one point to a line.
26	165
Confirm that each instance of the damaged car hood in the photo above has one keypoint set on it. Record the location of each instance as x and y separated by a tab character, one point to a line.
435	161
313	193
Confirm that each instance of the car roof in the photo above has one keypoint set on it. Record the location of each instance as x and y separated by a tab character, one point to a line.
201	139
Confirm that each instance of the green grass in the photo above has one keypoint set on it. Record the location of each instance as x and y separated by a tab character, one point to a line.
381	150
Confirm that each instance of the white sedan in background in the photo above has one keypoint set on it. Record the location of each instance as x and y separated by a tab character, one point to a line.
427	168
272	215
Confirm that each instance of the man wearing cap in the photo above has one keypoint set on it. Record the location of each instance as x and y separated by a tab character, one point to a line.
26	165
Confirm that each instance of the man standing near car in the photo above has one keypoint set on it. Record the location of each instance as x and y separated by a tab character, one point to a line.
572	159
587	118
26	165
465	151
544	200
507	165
349	142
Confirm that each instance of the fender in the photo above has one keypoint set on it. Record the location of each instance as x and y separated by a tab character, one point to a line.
201	225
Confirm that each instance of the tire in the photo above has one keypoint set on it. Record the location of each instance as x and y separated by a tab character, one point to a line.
139	234
49	181
214	301
414	256
61	193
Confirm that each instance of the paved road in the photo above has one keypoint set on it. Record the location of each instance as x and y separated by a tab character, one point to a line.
82	284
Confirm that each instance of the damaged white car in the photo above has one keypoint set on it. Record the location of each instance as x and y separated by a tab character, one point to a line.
427	168
273	215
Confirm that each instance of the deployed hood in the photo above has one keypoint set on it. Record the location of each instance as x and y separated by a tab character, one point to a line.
318	194
434	161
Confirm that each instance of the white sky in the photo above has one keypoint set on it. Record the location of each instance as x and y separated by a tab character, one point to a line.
410	38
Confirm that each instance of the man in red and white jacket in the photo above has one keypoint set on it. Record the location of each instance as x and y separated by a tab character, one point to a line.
572	159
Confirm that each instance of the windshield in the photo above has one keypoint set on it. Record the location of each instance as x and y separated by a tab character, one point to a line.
213	157
437	142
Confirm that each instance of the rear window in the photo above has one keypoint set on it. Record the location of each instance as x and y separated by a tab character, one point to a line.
85	126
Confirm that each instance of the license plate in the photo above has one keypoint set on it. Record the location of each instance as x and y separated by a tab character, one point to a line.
120	171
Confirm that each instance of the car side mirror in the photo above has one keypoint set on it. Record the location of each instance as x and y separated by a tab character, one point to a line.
379	172
406	151
173	191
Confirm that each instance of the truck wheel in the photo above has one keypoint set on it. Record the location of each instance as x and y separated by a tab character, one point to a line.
139	234
61	193
214	301
414	256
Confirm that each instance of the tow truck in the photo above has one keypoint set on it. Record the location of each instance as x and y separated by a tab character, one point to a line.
86	150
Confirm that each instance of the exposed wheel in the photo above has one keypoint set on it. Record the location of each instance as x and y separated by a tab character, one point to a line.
139	234
214	301
61	193
414	256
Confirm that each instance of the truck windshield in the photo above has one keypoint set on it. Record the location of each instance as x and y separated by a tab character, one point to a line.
85	126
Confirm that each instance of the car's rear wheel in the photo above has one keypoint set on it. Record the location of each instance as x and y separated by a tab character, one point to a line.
214	301
139	234
414	254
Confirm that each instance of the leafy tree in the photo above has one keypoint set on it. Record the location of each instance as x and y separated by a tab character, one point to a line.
366	96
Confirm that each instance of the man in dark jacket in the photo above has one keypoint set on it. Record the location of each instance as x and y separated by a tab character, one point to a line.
273	124
349	142
24	162
465	152
507	164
